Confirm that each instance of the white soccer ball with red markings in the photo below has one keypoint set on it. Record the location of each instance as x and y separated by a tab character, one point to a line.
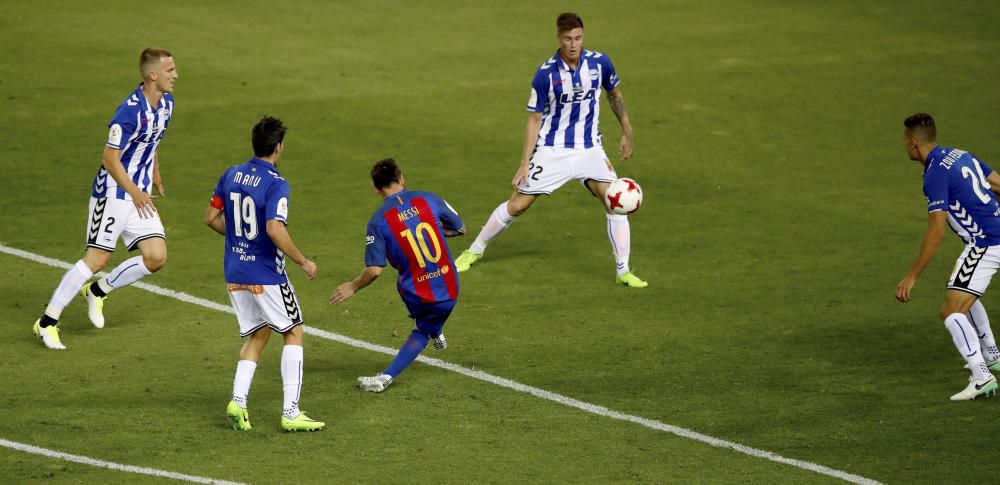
624	196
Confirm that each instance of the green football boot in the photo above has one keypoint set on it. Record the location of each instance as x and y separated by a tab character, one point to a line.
630	280
301	423
465	260
238	416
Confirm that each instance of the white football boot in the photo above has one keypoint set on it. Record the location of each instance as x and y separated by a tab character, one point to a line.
95	307
977	388
439	342
48	335
375	383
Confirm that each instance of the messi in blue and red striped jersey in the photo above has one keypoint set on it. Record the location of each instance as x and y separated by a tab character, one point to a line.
409	231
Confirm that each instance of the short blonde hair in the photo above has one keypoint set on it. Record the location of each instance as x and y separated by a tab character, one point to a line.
149	57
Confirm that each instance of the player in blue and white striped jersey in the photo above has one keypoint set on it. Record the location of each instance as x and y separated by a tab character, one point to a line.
961	193
562	142
121	203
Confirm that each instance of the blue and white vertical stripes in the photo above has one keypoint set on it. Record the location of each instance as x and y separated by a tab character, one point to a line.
136	129
570	100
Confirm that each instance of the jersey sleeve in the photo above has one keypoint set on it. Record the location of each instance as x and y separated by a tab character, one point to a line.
218	196
449	216
277	202
374	245
121	127
936	191
609	78
539	99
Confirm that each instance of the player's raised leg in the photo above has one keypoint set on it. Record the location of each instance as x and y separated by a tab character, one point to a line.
620	235
153	258
430	325
502	217
987	344
956	306
292	418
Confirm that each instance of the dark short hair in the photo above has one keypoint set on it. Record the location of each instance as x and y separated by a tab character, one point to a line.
150	56
267	133
568	21
385	173
921	125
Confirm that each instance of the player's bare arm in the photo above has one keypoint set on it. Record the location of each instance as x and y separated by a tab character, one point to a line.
454	232
617	101
214	219
994	180
157	181
936	222
279	234
530	140
347	290
113	164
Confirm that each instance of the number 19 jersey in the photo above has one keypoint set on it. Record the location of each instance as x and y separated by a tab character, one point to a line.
408	231
250	195
955	182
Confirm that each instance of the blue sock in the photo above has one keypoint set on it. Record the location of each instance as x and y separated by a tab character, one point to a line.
407	353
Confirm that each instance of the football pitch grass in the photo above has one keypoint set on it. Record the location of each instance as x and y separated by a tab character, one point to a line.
780	212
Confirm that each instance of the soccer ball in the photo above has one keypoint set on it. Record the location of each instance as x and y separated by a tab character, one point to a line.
624	196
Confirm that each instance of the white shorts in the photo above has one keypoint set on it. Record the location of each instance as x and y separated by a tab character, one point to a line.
974	269
257	305
550	168
112	218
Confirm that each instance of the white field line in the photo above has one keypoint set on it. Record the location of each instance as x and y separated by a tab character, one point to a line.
107	464
499	381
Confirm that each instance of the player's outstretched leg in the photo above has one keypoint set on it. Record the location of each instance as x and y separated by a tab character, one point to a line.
620	235
987	344
72	281
406	355
499	221
982	382
293	419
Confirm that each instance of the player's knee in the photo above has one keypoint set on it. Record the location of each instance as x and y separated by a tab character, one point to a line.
155	261
96	262
515	209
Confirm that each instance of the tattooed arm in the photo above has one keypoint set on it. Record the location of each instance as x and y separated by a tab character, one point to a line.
618	107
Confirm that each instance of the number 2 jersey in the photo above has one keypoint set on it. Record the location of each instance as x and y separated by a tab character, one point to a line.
955	182
408	230
249	195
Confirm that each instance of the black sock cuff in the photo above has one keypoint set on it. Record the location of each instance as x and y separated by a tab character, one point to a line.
47	321
97	291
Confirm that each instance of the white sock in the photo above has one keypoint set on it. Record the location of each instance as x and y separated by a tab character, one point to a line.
128	272
964	337
499	220
291	378
72	281
981	322
621	240
241	384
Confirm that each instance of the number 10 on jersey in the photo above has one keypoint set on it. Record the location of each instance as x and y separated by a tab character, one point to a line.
423	252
